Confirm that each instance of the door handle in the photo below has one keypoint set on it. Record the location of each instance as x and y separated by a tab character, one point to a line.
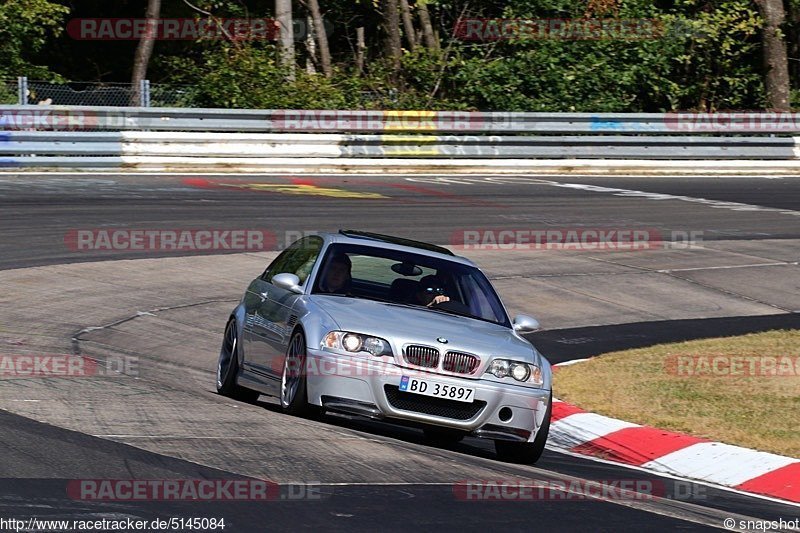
264	295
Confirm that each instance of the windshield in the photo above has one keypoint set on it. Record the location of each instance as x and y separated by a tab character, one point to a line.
409	279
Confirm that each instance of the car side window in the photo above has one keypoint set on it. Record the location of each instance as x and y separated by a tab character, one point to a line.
302	262
297	259
276	267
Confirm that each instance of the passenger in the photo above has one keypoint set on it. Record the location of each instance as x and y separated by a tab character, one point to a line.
337	277
431	292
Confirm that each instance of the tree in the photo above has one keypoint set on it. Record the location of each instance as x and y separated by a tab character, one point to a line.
697	55
322	38
144	50
24	28
391	25
776	79
361	49
283	15
428	35
408	25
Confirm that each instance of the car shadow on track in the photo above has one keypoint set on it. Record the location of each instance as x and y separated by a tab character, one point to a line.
395	429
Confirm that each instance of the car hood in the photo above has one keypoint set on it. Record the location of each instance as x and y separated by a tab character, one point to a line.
402	325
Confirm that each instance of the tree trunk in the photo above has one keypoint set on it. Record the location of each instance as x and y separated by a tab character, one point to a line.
311	46
775	59
391	22
408	25
793	37
427	27
283	16
322	38
144	50
361	47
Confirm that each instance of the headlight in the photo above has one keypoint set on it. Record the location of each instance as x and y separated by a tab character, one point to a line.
355	343
519	371
352	342
499	368
377	346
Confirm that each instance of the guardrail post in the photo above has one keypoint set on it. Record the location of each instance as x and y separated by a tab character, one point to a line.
22	90
144	93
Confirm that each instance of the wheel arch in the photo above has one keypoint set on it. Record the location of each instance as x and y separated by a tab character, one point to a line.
238	315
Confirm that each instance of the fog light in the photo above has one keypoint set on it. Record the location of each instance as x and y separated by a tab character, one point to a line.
505	414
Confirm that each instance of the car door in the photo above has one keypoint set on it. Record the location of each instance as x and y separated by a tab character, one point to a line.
256	327
275	316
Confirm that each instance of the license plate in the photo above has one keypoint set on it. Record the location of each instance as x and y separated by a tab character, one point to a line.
426	387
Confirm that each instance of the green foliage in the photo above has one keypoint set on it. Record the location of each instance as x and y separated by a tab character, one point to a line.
7	96
697	59
425	79
249	77
721	67
702	55
24	28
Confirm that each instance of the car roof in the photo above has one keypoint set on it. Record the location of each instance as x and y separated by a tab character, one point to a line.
389	242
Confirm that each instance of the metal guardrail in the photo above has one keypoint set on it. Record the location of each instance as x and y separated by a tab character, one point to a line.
71	118
58	136
572	146
178	144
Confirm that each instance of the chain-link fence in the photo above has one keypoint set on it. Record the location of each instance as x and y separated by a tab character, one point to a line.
22	90
107	94
124	95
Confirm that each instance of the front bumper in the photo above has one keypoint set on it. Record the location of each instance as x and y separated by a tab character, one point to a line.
369	387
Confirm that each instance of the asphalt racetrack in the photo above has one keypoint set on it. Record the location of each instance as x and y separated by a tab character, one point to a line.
725	262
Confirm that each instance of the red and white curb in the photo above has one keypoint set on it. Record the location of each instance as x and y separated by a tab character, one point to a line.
574	430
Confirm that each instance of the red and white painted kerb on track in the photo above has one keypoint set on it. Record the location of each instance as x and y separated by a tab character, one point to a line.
577	431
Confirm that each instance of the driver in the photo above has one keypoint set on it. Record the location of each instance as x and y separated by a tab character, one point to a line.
430	292
337	275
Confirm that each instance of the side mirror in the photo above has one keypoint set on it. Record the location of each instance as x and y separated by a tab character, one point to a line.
287	281
526	324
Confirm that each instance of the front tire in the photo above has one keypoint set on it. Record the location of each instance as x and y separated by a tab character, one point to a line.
526	452
294	395
228	368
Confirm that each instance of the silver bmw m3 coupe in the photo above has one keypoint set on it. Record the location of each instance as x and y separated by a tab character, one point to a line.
389	328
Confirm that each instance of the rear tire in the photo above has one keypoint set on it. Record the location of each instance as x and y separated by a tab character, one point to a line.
228	368
526	452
